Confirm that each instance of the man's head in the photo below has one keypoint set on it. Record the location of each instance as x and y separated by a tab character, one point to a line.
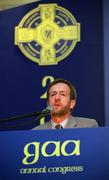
61	95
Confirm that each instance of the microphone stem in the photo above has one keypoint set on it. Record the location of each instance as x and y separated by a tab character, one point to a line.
20	117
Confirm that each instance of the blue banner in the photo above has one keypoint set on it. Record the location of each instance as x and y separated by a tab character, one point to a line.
45	40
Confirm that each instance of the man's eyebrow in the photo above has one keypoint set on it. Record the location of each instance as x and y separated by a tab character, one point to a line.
62	91
53	91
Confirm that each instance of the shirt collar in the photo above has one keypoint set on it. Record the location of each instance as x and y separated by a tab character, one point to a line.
63	123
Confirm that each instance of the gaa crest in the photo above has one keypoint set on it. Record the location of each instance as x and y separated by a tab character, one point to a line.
47	34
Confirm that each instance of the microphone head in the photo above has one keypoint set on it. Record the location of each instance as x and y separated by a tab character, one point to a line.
47	110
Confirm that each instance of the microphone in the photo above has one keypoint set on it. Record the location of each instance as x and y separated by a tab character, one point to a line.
47	110
43	113
38	115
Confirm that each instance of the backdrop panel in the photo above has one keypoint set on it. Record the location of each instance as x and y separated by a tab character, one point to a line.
24	82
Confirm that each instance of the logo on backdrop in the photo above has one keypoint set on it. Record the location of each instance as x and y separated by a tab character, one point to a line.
47	34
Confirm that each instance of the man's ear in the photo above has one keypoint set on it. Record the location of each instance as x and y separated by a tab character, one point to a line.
72	104
47	103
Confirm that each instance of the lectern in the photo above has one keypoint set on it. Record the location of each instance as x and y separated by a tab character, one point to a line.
79	154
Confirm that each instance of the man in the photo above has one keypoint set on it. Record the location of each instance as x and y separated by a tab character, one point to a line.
61	96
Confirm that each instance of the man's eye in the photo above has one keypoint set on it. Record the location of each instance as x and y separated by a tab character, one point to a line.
52	94
62	94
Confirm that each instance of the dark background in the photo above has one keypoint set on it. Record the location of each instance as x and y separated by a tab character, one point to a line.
21	79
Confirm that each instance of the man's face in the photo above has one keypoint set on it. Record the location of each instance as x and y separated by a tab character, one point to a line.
59	99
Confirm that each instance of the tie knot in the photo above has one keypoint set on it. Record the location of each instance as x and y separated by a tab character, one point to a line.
58	126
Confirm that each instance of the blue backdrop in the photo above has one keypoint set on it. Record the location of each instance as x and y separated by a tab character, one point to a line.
21	80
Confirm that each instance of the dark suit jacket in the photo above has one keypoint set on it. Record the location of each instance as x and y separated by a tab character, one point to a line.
73	122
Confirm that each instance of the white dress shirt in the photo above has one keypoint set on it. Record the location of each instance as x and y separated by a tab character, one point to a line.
63	123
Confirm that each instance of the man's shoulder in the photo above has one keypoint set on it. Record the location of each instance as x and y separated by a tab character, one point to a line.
85	122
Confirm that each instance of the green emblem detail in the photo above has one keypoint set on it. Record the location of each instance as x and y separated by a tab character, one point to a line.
47	34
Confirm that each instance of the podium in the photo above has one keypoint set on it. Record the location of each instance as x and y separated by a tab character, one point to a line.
79	154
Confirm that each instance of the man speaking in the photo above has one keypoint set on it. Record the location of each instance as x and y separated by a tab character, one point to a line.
61	97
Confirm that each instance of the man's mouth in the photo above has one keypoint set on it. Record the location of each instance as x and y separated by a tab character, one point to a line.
57	105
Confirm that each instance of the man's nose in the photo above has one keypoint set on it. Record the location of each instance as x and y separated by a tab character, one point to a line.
57	96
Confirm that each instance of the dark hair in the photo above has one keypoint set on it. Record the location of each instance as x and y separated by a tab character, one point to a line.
73	93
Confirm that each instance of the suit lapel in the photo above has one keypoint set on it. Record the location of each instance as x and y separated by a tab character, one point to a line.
71	122
47	125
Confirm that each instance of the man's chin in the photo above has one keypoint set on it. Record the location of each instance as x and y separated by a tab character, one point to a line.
58	113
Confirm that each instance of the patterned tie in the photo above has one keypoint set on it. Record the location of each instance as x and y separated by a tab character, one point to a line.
58	126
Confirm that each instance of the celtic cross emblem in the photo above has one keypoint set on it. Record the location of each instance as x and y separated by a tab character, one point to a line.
47	34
